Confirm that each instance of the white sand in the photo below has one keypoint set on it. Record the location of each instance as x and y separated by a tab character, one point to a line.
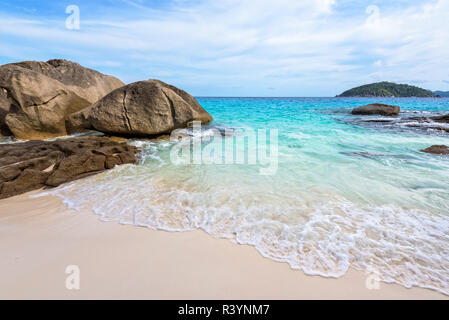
40	237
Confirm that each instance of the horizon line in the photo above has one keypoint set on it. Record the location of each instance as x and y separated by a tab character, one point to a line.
311	97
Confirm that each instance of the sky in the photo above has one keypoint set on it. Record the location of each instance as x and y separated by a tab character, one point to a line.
293	48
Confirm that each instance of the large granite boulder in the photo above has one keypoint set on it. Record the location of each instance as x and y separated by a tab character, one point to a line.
35	164
437	149
39	105
377	109
89	84
4	109
38	97
143	108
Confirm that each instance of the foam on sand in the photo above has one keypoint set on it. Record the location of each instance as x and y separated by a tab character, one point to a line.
316	231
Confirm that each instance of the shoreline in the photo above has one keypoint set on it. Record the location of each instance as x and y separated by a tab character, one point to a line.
40	237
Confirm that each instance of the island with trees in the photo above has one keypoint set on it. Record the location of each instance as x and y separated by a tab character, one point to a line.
387	89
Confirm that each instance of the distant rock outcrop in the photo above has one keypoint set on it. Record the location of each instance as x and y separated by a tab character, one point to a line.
441	119
377	109
37	97
35	164
387	89
144	108
444	94
437	149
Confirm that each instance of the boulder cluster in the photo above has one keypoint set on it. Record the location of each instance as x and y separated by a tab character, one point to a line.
41	100
37	97
388	110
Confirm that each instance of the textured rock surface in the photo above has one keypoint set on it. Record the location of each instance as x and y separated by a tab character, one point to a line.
38	104
79	121
89	84
437	149
443	119
4	109
37	97
377	109
35	164
143	108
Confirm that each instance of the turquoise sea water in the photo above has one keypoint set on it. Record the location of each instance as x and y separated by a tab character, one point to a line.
346	192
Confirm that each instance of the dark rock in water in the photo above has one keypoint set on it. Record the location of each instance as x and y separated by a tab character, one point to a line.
37	97
437	149
377	109
424	123
444	119
35	164
144	108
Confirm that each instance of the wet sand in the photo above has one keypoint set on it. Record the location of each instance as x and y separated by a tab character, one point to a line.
40	237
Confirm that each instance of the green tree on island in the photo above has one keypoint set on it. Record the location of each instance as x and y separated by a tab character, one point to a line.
387	89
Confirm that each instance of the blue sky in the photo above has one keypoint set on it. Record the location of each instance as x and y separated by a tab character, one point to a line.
240	47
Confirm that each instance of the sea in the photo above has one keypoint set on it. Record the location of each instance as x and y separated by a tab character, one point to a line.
327	192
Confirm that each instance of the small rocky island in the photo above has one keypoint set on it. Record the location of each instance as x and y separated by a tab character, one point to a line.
41	100
387	89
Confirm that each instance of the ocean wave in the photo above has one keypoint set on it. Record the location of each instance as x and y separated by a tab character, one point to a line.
416	111
7	140
320	237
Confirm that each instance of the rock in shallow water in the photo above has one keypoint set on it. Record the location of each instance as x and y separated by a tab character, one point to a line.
377	109
442	119
35	164
437	149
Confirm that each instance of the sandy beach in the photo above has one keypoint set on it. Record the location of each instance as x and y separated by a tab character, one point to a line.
40	237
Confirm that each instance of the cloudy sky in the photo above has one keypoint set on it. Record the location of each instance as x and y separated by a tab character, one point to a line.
239	47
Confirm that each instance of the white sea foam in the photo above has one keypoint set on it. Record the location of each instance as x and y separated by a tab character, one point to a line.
416	111
428	125
318	232
314	229
8	140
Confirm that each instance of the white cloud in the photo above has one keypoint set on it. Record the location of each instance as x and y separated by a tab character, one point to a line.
297	47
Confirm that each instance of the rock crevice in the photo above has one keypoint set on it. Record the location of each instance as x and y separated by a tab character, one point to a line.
151	108
125	113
